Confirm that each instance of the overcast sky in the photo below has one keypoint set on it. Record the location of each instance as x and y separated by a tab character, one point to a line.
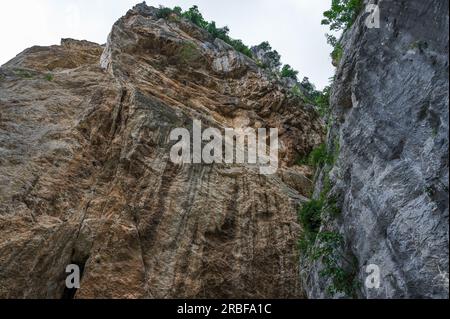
291	26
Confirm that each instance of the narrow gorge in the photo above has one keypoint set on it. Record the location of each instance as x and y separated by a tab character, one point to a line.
86	176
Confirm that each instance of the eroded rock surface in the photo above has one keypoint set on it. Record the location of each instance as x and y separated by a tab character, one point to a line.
390	180
85	175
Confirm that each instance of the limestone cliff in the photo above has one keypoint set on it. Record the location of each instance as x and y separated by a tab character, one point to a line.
387	184
85	175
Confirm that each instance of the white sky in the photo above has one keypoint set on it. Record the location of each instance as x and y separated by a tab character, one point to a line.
292	27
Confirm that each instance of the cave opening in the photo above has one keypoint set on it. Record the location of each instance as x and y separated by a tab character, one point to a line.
70	293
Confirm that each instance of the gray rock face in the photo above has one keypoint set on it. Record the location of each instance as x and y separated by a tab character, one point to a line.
390	107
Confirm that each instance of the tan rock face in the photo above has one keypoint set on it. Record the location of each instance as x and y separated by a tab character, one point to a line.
85	175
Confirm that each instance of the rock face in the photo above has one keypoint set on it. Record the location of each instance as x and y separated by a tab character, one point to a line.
390	107
85	175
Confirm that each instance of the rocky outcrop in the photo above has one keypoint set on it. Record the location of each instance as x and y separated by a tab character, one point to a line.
390	178
85	175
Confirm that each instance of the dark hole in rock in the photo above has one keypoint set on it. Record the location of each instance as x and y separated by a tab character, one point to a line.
70	293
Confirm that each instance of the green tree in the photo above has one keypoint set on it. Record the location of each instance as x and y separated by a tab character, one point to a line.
269	58
194	15
265	46
342	14
221	33
177	10
163	12
322	100
309	87
240	46
288	72
310	217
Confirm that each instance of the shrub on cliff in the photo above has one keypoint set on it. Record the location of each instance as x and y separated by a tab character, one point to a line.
288	72
221	33
163	12
337	53
342	14
177	10
240	46
309	88
194	15
310	217
166	13
319	156
269	58
322	100
265	46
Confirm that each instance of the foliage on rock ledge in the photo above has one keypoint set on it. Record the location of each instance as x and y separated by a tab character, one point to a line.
342	14
317	243
340	17
272	57
194	15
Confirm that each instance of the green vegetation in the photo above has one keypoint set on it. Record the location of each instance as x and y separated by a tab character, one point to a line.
271	59
240	46
435	131
419	45
326	245
341	16
310	217
23	73
318	157
430	191
49	77
322	101
261	64
311	212
337	53
265	46
164	13
288	72
216	32
194	15
297	92
328	251
274	58
317	242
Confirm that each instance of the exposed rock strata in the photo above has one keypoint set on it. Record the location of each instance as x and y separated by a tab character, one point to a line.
390	108
85	175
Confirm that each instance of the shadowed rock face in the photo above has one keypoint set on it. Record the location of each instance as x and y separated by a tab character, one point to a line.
390	104
85	175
